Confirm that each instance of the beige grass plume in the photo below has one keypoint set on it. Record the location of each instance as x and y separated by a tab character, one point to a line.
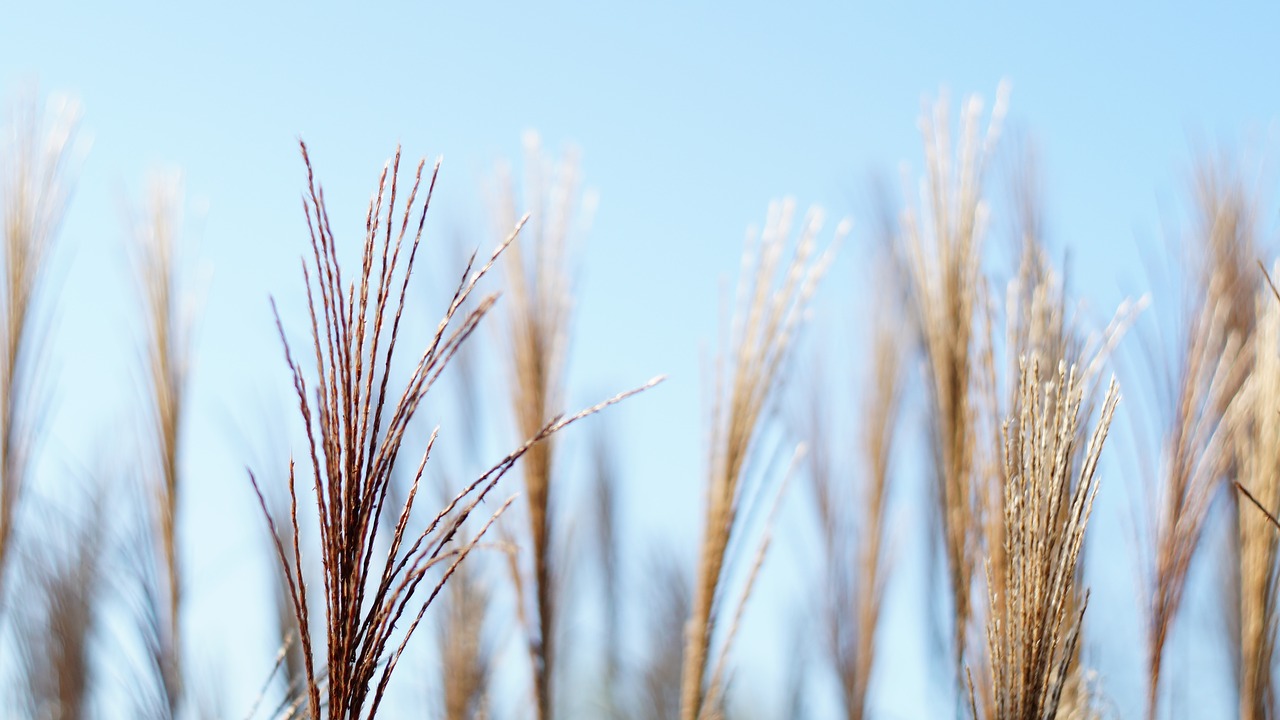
1032	632
942	242
773	292
36	178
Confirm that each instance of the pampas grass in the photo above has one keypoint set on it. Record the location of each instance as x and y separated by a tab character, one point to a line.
1033	630
1257	449
851	508
661	672
1014	422
36	162
64	585
540	313
157	237
1214	363
942	243
354	329
773	293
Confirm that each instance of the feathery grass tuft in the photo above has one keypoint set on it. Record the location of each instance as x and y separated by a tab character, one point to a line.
1033	631
666	609
63	588
773	293
943	246
1214	363
36	183
540	314
851	514
355	432
157	238
1256	436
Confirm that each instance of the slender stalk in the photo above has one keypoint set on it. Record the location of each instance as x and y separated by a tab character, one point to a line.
1214	361
540	315
768	314
1033	635
1256	433
353	453
157	238
36	180
851	510
942	243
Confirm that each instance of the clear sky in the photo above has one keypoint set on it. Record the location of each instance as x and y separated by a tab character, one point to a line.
690	117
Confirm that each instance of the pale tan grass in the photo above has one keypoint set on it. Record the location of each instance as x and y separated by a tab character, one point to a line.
465	653
157	238
1229	275
1214	363
1256	434
37	166
773	294
62	592
608	508
1033	632
540	302
942	243
1040	323
464	646
851	510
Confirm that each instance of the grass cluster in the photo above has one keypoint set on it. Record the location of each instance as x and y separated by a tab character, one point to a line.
1012	426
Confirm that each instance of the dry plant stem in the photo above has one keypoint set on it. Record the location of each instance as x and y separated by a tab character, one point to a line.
608	509
1271	518
767	318
462	643
715	699
465	662
661	674
851	516
157	239
943	250
1228	234
1256	434
37	181
54	642
1033	636
353	453
879	424
1199	443
1040	326
540	303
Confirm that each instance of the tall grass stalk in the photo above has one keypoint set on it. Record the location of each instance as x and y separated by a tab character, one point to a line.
63	588
36	180
464	645
1214	363
1041	324
942	241
157	238
608	509
1257	450
773	293
1033	631
851	515
354	329
540	314
1229	213
667	606
465	654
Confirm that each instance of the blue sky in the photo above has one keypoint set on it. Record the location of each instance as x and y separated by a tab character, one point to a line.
689	117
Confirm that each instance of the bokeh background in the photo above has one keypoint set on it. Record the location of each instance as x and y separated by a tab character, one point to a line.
688	118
